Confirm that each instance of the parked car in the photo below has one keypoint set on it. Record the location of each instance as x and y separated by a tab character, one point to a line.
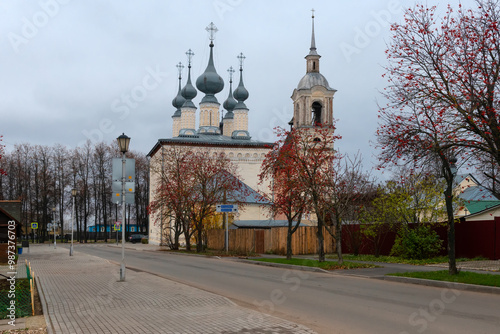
133	238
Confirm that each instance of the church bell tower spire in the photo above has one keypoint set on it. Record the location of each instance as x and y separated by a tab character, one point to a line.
312	99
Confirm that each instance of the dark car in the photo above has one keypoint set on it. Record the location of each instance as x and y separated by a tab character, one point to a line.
135	238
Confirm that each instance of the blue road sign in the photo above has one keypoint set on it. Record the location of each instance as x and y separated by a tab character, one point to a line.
227	208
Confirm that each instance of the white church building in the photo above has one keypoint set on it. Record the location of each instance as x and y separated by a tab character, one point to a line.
312	99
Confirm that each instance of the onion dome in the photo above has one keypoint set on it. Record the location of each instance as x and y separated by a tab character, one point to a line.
210	82
241	93
189	92
230	102
311	79
179	100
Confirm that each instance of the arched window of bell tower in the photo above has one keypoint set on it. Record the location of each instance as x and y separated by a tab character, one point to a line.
316	113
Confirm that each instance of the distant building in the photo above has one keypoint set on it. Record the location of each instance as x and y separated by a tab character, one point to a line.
474	197
10	227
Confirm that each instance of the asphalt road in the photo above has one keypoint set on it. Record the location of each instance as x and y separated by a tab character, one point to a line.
325	302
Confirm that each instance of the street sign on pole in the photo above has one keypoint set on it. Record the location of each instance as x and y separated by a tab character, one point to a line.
129	170
227	208
34	226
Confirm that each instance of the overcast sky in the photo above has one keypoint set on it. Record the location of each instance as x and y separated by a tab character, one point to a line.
73	70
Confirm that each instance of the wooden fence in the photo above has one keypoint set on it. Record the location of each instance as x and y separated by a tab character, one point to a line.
304	240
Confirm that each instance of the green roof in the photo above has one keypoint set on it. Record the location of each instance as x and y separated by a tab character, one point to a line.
478	206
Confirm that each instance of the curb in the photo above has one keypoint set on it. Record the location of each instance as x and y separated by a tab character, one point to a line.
441	284
133	248
407	280
43	301
286	266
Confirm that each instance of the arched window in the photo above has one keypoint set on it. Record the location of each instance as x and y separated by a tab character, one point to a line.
316	114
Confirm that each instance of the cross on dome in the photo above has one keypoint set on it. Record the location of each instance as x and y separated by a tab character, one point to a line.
231	72
180	67
190	55
241	58
212	29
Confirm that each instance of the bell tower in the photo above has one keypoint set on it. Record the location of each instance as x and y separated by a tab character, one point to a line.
313	97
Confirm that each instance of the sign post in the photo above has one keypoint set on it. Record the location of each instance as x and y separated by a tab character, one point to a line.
117	228
227	208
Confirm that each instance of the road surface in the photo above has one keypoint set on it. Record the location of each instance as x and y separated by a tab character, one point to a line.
325	302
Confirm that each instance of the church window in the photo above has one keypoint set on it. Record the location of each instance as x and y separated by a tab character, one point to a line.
316	113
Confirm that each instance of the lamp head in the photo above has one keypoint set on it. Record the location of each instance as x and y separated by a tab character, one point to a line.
123	142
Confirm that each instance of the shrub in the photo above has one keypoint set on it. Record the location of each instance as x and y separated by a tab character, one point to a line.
416	243
144	240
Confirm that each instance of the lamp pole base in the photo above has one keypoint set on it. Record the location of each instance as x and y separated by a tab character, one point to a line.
122	272
71	250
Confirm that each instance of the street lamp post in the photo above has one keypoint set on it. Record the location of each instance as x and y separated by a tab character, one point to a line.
123	143
73	194
54	224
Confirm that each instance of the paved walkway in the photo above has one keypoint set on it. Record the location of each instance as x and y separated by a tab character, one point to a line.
82	294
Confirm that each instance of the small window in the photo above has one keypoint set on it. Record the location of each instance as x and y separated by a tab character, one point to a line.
314	65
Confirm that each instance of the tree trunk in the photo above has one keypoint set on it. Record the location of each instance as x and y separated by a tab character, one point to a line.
321	242
289	242
199	244
452	265
338	240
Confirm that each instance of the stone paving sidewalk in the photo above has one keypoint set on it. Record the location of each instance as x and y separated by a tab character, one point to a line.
82	294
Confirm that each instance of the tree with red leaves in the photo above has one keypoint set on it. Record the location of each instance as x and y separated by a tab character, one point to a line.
443	92
452	66
289	198
172	194
190	185
307	154
215	181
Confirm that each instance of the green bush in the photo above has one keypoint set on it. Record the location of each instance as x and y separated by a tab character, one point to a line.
416	243
144	240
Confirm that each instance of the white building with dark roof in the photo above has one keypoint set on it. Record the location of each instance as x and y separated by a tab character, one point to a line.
312	100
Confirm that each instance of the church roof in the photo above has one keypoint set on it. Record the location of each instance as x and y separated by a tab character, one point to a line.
248	195
202	139
312	79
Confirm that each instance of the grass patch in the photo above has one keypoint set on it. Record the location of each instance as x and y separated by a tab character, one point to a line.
462	277
327	265
396	259
22	298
